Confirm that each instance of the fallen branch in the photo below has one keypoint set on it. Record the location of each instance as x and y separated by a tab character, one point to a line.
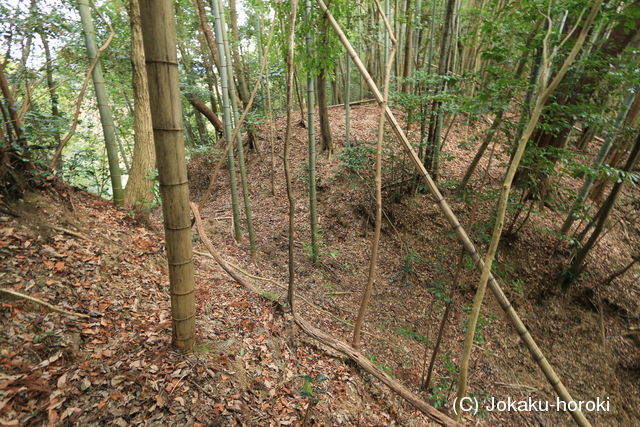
455	225
69	232
344	348
281	286
46	304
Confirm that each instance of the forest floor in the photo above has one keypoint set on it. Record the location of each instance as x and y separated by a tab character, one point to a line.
80	253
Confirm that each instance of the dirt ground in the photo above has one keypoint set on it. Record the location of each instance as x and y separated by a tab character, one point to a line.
418	257
116	366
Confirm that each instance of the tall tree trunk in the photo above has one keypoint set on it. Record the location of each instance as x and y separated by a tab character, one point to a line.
287	170
239	69
227	118
437	115
139	190
159	34
408	49
313	213
323	114
616	156
556	126
573	273
51	87
13	121
241	162
201	127
602	154
347	94
323	110
104	107
238	65
375	241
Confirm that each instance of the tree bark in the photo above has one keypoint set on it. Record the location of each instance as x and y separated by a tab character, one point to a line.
199	105
577	266
139	190
323	114
104	107
581	88
238	65
159	34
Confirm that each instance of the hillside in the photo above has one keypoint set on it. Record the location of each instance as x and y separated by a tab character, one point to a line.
81	254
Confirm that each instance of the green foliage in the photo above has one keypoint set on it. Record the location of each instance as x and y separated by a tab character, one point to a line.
481	325
357	157
309	386
86	169
438	289
408	266
441	390
440	393
323	251
380	365
408	333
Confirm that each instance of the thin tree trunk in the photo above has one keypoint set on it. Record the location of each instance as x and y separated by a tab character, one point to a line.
241	161
227	117
206	30
287	138
51	86
104	107
481	150
313	213
201	127
139	190
238	65
616	156
545	93
323	115
602	155
437	115
347	94
375	242
159	34
574	271
408	50
323	112
14	121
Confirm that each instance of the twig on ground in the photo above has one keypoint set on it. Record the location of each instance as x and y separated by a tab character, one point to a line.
46	304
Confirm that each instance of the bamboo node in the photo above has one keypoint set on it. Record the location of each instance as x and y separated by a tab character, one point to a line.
180	294
184	319
178	264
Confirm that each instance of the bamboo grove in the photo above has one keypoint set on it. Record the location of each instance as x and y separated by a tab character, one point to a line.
115	97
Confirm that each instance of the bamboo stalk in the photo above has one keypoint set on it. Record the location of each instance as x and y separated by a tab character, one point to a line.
340	346
227	118
375	241
159	35
461	234
104	107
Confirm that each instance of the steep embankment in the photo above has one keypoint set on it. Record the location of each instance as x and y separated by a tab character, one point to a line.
81	254
418	263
